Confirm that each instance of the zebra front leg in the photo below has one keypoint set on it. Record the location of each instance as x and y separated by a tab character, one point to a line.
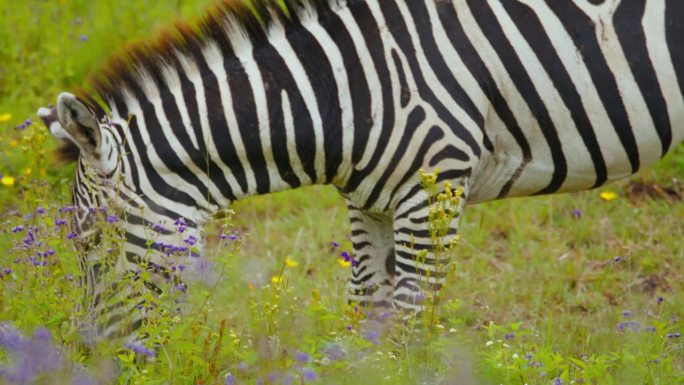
425	234
371	283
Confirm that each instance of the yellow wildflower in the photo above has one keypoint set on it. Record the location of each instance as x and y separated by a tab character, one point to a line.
608	195
343	262
7	180
289	262
14	143
276	279
27	171
5	117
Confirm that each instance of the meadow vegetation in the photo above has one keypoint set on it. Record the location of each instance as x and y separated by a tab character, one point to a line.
572	289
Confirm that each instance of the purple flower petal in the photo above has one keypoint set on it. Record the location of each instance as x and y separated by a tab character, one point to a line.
309	374
301	357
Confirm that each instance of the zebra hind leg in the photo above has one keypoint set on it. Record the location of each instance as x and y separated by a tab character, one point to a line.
425	234
371	283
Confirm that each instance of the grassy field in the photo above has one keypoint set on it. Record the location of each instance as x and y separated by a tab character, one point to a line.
573	289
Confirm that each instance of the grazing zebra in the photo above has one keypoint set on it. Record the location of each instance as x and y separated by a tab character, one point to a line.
506	97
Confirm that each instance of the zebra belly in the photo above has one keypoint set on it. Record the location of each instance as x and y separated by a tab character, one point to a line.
505	173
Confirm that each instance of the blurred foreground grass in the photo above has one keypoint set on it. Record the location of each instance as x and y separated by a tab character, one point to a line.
563	288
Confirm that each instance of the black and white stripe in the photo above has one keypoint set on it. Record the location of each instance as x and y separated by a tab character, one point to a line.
506	97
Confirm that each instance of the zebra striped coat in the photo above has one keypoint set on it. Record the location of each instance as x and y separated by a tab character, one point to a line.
506	97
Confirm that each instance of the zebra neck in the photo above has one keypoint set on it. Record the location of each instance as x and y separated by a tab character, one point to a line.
241	116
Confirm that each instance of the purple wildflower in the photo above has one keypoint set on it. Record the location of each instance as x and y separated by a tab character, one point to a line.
40	211
334	244
660	300
616	259
345	255
301	357
273	377
632	326
557	381
26	123
385	315
626	313
673	335
25	352
230	379
159	228
576	213
309	374
60	222
111	218
178	249
71	235
509	336
17	229
372	336
140	349
191	240
83	38
67	209
288	379
42	334
7	271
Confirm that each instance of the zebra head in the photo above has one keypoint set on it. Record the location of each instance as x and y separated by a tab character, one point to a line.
95	145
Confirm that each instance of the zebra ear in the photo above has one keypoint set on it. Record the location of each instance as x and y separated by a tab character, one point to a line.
51	121
80	125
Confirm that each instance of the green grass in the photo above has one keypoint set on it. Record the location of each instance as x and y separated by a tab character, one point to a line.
526	268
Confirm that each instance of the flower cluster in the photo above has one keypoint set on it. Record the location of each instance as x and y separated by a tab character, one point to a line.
180	224
31	357
346	260
25	124
169	249
140	349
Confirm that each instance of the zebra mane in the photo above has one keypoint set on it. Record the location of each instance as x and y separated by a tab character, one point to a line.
123	70
250	18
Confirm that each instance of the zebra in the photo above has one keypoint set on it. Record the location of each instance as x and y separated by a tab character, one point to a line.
507	98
